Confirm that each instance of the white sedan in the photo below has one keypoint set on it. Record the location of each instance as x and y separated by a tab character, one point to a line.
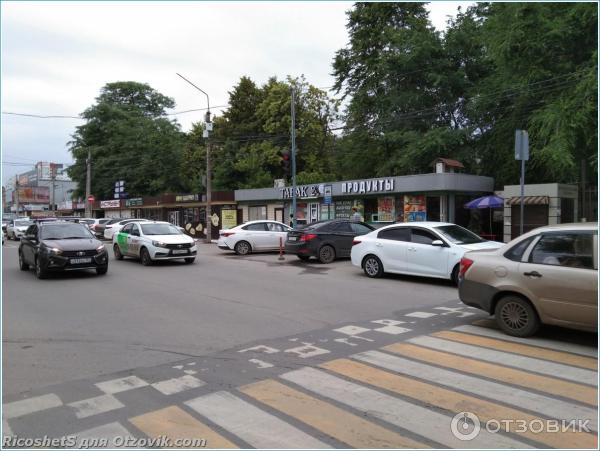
111	228
431	249
153	240
17	227
253	236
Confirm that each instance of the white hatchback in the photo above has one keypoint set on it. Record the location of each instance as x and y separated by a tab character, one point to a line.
431	249
253	236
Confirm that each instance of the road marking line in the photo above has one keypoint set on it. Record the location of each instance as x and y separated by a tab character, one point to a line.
333	421
543	405
120	385
94	406
6	430
256	427
351	330
455	402
177	384
308	350
458	310
392	330
108	432
260	364
388	322
526	363
519	348
176	424
541	342
421	314
30	405
409	416
558	387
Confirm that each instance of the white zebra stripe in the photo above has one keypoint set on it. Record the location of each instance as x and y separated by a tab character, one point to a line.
420	420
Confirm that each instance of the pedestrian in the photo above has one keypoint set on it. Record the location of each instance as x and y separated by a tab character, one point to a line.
356	215
291	219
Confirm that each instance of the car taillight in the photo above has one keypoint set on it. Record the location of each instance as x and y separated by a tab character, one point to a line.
308	237
226	234
465	264
355	242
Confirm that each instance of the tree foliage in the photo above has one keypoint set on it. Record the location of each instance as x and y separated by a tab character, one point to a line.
130	139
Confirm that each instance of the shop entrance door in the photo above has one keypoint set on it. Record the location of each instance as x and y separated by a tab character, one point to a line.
279	214
313	215
175	217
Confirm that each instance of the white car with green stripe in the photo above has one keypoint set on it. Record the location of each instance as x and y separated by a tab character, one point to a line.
152	241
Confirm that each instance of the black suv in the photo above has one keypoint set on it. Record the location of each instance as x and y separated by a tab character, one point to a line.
61	246
326	240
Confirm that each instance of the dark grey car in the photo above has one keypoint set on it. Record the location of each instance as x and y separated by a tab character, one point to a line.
325	240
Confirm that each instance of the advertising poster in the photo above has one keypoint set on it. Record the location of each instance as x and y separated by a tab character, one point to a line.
415	208
40	194
228	219
386	209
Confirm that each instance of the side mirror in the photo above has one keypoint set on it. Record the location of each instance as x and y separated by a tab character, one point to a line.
438	243
31	237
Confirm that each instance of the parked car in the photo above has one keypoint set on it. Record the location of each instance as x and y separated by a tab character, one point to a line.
253	236
111	227
97	227
153	240
546	276
16	228
325	240
431	249
61	246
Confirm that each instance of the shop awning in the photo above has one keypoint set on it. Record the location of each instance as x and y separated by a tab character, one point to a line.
528	200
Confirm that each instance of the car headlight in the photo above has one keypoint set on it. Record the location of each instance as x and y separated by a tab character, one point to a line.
100	248
55	251
159	244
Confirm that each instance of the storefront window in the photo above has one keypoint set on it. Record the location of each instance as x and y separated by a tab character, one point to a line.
257	213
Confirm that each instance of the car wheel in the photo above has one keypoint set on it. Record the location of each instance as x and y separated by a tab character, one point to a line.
117	252
326	254
454	275
22	265
242	248
516	317
304	258
372	266
101	270
145	257
189	261
39	271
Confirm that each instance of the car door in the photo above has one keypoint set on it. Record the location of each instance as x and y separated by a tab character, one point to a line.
276	232
123	239
561	273
341	237
422	257
257	235
28	244
391	247
134	239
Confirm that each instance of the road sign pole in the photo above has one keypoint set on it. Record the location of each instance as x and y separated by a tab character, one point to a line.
522	197
294	207
522	154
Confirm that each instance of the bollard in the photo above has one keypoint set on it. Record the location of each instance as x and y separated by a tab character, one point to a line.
281	257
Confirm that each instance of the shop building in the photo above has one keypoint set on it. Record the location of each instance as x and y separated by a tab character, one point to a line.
434	197
543	204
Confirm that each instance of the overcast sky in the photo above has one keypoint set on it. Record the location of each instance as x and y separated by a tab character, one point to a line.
57	55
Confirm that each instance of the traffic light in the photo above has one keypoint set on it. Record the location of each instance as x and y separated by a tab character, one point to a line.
285	162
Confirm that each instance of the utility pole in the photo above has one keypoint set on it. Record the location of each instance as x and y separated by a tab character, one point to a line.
17	194
293	157
88	185
53	179
207	129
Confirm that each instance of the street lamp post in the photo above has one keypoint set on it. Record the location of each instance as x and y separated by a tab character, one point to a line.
207	130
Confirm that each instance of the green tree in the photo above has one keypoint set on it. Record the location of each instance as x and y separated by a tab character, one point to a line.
130	139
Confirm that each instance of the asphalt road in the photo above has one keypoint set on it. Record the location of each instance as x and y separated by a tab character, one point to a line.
79	325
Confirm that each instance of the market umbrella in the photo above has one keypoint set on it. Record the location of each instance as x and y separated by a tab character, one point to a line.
486	202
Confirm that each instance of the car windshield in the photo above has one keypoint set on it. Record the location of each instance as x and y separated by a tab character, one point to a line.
459	235
22	223
65	232
160	229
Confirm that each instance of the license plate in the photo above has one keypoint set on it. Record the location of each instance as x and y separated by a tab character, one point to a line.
78	261
292	238
180	251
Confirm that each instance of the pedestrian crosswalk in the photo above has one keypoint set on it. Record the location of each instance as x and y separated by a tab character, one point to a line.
403	395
